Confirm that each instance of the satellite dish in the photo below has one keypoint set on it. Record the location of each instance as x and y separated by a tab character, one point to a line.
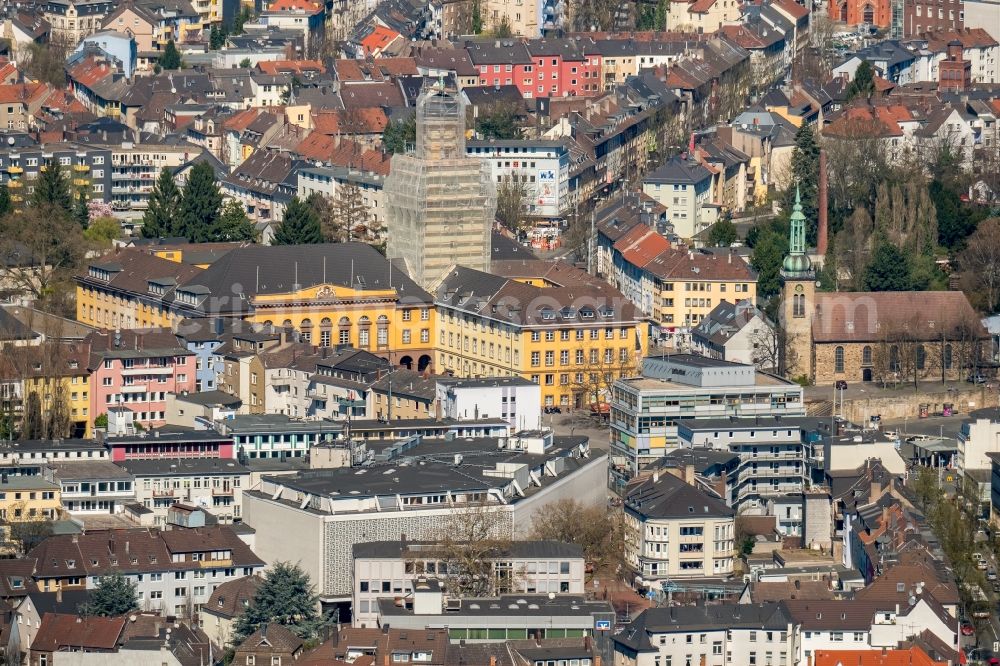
10	141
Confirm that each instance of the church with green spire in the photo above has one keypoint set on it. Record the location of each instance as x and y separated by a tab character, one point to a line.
894	336
798	296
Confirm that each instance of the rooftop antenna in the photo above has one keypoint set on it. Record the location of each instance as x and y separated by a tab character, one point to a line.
324	269
257	285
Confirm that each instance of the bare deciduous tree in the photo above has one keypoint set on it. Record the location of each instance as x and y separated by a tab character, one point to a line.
470	541
512	196
40	249
980	265
596	528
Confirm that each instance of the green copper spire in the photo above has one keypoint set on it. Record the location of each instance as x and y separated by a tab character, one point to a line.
797	260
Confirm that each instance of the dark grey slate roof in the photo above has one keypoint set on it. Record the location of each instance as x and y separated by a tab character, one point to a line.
670	497
678	170
700	618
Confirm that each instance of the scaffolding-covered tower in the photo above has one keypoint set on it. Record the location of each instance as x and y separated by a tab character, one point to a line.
440	203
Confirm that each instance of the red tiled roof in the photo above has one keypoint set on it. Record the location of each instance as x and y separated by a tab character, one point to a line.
912	657
681	264
870	316
792	8
8	71
240	121
971	38
89	72
701	6
358	121
397	66
379	38
274	67
861	121
641	245
21	92
58	631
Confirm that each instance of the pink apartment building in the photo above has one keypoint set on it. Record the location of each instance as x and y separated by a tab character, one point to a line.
136	370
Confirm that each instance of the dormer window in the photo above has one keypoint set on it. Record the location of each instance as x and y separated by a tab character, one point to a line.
70	564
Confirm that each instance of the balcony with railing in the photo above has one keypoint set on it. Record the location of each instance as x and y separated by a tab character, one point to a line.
148	370
164	492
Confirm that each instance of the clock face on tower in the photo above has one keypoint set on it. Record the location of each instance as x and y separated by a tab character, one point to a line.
798	289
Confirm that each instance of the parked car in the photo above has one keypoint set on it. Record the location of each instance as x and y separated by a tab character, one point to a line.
552	409
977	378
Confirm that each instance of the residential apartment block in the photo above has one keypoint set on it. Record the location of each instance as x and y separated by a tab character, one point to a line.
174	571
713	635
676	530
212	484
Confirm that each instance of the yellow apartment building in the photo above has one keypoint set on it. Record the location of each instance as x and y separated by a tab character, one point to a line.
686	286
54	372
24	498
573	337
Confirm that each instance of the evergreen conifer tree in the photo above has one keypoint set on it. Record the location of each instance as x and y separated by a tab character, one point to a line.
234	225
299	226
115	595
52	188
171	57
201	204
81	212
5	203
286	597
161	217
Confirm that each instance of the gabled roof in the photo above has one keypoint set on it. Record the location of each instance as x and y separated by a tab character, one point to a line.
667	496
640	245
913	656
63	632
872	316
679	264
271	638
233	597
680	171
694	619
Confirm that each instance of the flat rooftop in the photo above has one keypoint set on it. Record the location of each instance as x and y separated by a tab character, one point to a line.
88	469
808	423
254	423
182	466
394	550
432	467
531	605
761	379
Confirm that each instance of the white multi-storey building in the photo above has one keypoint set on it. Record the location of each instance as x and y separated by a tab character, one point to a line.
314	518
675	530
513	399
385	569
92	486
213	484
645	410
711	635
